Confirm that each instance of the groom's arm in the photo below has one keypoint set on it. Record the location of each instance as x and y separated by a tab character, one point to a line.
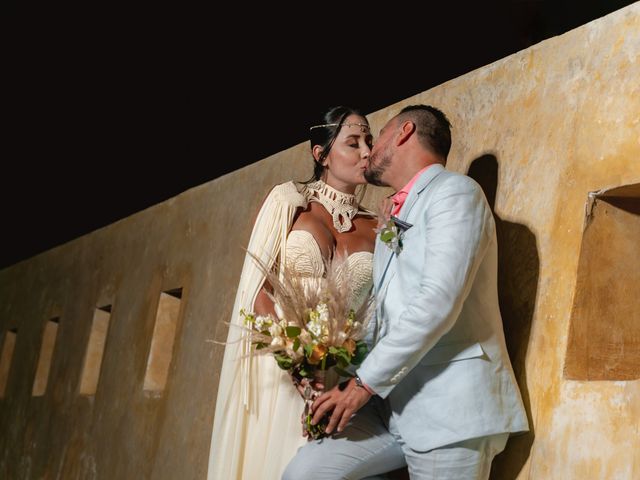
455	233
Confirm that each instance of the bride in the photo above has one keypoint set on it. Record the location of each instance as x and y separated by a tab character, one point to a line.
257	427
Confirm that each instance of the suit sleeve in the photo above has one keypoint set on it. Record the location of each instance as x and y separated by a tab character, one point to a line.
455	231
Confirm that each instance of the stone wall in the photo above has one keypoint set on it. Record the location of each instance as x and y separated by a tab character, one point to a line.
109	367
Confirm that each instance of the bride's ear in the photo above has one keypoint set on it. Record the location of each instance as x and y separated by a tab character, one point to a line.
316	151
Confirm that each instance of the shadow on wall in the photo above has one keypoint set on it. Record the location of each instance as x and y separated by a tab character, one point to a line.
518	271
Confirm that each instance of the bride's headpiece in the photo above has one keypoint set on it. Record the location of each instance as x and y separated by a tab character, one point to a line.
364	128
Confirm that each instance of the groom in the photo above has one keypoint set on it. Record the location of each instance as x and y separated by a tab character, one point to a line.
437	391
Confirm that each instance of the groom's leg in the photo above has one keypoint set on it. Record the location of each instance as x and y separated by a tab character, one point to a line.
364	448
467	460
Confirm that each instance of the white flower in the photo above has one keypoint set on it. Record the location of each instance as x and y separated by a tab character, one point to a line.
275	330
315	328
262	321
294	355
277	342
304	337
323	312
341	337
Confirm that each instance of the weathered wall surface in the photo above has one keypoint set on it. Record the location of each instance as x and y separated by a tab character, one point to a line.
192	241
538	130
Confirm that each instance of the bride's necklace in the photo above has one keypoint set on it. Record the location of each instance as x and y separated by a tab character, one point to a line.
342	206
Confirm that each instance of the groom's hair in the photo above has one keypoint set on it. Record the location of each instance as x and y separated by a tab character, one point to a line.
432	126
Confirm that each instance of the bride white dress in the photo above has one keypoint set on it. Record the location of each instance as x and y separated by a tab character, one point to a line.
257	426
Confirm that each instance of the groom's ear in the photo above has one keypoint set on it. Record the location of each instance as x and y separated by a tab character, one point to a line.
407	129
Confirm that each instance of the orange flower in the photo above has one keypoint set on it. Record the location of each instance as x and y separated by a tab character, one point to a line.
318	353
350	345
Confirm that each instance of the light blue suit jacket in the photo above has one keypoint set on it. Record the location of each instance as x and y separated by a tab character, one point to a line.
439	353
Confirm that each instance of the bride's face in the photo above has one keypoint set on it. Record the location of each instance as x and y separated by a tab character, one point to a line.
349	155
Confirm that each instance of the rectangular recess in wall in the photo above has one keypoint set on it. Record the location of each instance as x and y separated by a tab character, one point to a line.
604	330
5	358
46	354
164	332
95	350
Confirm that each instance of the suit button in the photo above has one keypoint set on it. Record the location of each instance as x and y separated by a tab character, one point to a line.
398	376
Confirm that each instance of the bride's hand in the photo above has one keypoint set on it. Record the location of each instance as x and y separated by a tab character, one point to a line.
384	211
308	390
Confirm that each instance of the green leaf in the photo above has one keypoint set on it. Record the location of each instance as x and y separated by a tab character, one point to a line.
292	332
360	353
284	362
308	349
342	356
386	236
316	431
342	363
296	344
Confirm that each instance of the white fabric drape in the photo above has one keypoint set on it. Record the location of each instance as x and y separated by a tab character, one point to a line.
255	439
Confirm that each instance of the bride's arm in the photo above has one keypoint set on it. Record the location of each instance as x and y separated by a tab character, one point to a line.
263	304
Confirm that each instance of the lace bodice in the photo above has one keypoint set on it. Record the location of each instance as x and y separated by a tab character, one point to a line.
305	258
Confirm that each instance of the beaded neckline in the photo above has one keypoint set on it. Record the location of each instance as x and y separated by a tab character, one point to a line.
341	206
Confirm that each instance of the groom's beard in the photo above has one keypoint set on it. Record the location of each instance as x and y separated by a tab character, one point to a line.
373	173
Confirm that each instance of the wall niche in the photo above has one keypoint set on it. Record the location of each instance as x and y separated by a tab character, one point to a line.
604	333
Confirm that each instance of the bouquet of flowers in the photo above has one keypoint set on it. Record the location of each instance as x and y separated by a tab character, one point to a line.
315	329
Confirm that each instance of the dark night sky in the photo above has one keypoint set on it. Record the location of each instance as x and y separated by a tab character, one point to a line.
99	130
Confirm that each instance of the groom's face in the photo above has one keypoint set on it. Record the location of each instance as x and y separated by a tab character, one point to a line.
381	157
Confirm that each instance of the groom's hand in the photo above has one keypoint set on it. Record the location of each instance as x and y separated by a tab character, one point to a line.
343	404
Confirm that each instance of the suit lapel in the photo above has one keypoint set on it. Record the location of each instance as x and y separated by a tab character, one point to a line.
422	182
381	257
385	260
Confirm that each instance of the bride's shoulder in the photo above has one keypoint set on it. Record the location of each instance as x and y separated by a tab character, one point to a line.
287	193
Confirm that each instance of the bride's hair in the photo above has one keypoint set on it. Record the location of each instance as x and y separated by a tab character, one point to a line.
324	132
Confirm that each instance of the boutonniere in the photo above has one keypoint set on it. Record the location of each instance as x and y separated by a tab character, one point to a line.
391	233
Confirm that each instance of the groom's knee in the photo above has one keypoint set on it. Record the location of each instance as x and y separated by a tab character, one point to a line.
305	466
291	473
296	470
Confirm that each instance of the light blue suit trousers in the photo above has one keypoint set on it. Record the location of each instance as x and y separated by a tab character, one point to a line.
370	446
